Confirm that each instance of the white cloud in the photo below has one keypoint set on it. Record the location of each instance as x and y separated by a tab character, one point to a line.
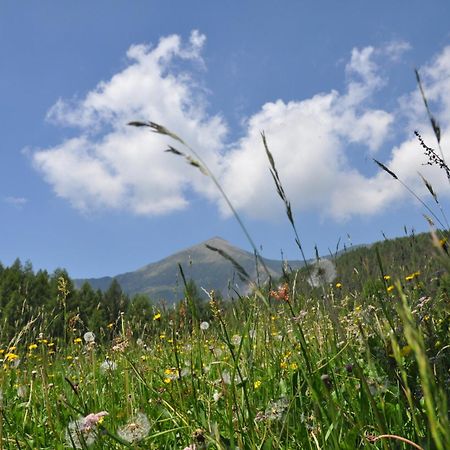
395	49
17	202
314	141
311	138
111	165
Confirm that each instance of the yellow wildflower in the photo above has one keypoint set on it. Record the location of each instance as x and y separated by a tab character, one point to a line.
157	316
11	357
338	285
257	384
390	288
32	347
78	340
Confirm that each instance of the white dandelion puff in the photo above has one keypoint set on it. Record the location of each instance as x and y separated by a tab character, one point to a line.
89	337
323	272
136	429
108	366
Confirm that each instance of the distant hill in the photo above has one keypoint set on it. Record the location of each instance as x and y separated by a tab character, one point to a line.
162	280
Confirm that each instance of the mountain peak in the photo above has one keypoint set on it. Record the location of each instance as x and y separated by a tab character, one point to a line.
216	240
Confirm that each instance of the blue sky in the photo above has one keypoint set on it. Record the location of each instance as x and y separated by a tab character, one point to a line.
330	83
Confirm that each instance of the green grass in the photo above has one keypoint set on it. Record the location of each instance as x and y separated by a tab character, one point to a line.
331	370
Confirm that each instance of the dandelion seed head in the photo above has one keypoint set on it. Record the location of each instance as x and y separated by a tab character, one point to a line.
135	430
89	337
323	272
236	339
108	366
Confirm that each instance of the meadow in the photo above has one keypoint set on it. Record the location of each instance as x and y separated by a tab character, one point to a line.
327	366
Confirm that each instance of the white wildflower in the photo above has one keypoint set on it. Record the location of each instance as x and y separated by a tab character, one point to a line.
204	326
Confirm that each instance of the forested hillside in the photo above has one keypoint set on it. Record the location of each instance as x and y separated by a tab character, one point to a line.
44	302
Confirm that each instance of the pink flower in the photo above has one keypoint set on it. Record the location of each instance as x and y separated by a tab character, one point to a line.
93	419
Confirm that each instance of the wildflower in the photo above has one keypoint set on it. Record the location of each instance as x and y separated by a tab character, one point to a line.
257	384
89	337
32	347
77	341
323	272
171	374
157	316
387	277
236	339
136	429
83	430
10	357
390	288
108	366
204	326
275	410
338	285
110	325
282	293
217	396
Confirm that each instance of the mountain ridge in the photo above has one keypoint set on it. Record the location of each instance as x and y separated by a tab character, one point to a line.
160	280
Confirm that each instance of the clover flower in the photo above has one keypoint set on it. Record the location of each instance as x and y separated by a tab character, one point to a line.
136	429
204	326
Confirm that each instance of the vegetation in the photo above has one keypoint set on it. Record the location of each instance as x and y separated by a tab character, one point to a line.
335	366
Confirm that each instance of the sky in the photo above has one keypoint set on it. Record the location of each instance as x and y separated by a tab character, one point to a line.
330	84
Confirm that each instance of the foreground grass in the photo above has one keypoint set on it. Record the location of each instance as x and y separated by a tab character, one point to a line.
321	368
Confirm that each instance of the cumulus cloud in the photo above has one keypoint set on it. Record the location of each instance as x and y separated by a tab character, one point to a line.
314	140
110	165
311	138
